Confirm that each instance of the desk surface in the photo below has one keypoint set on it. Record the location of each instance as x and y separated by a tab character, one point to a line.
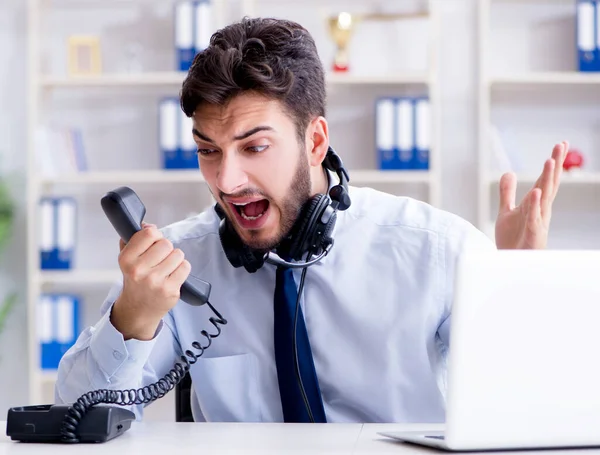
244	438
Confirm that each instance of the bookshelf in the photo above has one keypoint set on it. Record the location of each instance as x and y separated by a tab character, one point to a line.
531	88
109	101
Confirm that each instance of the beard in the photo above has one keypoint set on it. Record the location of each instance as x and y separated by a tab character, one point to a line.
289	209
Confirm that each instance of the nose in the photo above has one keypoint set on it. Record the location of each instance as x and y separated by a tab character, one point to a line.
231	176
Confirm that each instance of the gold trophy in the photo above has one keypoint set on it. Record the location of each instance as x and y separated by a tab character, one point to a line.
341	28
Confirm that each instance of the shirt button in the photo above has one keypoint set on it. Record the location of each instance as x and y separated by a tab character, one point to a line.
117	355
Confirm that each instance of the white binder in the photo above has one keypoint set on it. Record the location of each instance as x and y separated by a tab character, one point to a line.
168	132
46	233
405	133
587	35
203	18
187	146
184	34
66	226
422	133
384	136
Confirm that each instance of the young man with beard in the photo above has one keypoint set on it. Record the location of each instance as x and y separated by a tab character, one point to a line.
374	318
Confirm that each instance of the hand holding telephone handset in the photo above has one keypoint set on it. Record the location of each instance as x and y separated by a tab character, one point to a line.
126	212
82	422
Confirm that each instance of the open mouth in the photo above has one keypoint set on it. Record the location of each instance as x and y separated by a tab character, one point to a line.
251	214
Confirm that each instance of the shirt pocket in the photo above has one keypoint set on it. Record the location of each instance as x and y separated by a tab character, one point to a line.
227	388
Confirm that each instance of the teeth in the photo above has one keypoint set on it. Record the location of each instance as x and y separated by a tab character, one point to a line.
250	218
240	204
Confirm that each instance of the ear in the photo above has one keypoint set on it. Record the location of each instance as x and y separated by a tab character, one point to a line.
317	141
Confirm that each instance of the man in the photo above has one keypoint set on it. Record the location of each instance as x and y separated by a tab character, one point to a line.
376	308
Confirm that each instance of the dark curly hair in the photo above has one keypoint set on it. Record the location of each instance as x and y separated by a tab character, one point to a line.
273	57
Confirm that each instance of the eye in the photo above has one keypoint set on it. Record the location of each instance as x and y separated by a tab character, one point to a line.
258	148
206	152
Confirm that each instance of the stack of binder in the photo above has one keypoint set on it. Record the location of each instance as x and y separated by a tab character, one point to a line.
588	35
58	228
192	30
403	133
177	145
58	327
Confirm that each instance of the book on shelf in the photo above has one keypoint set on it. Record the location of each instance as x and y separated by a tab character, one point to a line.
176	141
193	29
403	133
58	326
588	35
60	150
57	232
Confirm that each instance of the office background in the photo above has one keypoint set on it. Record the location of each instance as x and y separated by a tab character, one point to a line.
502	79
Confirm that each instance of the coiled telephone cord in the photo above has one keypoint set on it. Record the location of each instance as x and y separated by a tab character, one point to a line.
144	395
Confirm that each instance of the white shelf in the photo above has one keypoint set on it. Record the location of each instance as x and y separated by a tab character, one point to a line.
78	276
360	176
114	80
583	178
194	176
157	176
549	78
358	79
176	78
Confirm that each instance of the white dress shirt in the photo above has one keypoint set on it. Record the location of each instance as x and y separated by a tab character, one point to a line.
377	311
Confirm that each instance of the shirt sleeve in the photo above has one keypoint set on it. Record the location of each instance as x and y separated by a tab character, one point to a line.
102	359
461	236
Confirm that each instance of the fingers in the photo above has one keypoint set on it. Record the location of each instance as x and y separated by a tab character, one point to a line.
534	213
170	262
547	185
157	253
559	154
143	240
508	191
180	274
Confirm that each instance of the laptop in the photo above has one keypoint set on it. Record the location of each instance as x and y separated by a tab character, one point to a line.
524	357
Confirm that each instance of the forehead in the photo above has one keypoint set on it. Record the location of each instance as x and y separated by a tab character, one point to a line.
242	110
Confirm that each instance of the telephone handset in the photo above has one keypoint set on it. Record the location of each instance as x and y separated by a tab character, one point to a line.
83	421
126	212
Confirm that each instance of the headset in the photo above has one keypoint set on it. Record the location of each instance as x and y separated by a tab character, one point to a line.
310	235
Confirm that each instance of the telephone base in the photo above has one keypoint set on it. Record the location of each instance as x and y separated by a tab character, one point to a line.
42	423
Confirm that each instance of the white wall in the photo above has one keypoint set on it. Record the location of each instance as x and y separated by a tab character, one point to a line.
13	355
459	139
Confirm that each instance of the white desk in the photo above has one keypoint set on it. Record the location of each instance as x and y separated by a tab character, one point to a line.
160	438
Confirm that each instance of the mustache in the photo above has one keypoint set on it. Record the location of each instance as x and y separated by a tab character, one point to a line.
249	192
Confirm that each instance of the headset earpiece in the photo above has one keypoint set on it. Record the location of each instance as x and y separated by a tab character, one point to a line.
310	234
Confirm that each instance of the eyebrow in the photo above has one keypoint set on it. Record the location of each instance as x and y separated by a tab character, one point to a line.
237	138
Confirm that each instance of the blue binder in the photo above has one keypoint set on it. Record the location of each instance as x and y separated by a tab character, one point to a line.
58	232
66	231
384	133
587	35
47	235
58	327
405	133
422	138
168	132
184	34
203	18
597	36
187	157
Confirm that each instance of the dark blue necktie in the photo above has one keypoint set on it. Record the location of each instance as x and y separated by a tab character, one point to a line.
294	409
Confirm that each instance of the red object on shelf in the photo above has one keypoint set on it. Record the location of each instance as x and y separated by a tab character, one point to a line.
340	69
574	159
